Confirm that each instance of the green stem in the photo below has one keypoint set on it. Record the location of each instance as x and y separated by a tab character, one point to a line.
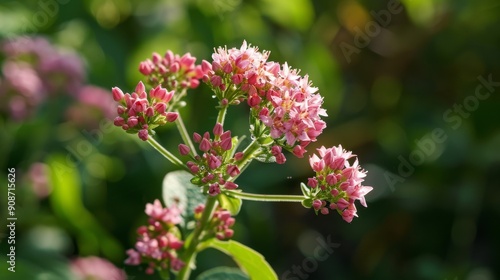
248	154
265	197
184	134
222	115
195	238
173	159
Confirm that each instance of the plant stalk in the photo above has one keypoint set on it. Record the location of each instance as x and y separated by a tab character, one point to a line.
194	239
265	197
168	155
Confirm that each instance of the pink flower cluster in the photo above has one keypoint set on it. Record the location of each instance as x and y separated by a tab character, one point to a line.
141	113
216	166
33	71
243	68
337	184
220	224
292	110
285	102
158	243
172	71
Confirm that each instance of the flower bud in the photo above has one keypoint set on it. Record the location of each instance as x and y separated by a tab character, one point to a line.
317	204
228	68
205	66
160	108
143	134
174	67
169	56
117	93
226	144
140	88
238	156
218	129
214	189
132	121
171	116
214	162
196	137
145	68
312	182
299	151
205	145
184	149
342	204
280	158
119	121
149	112
232	170
230	185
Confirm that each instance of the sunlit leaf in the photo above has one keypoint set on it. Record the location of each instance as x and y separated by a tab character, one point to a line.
305	190
249	260
222	272
232	204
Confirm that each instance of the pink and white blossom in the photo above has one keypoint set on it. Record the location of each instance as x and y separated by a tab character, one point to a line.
339	182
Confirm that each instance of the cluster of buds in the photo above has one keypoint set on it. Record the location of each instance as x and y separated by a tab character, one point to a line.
219	225
285	102
141	113
158	242
172	71
337	183
217	165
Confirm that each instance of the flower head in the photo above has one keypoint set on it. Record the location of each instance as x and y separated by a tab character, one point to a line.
282	100
158	242
172	71
140	112
234	72
291	109
337	183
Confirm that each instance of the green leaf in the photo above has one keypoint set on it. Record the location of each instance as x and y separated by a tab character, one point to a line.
178	189
307	203
222	272
305	190
266	141
266	157
250	261
232	204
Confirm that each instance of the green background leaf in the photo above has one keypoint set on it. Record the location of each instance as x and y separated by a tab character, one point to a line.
249	260
222	272
178	189
68	205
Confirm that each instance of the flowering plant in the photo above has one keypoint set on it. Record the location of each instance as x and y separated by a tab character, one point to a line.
202	199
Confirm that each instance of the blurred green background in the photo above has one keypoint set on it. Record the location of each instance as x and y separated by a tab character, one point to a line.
392	74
